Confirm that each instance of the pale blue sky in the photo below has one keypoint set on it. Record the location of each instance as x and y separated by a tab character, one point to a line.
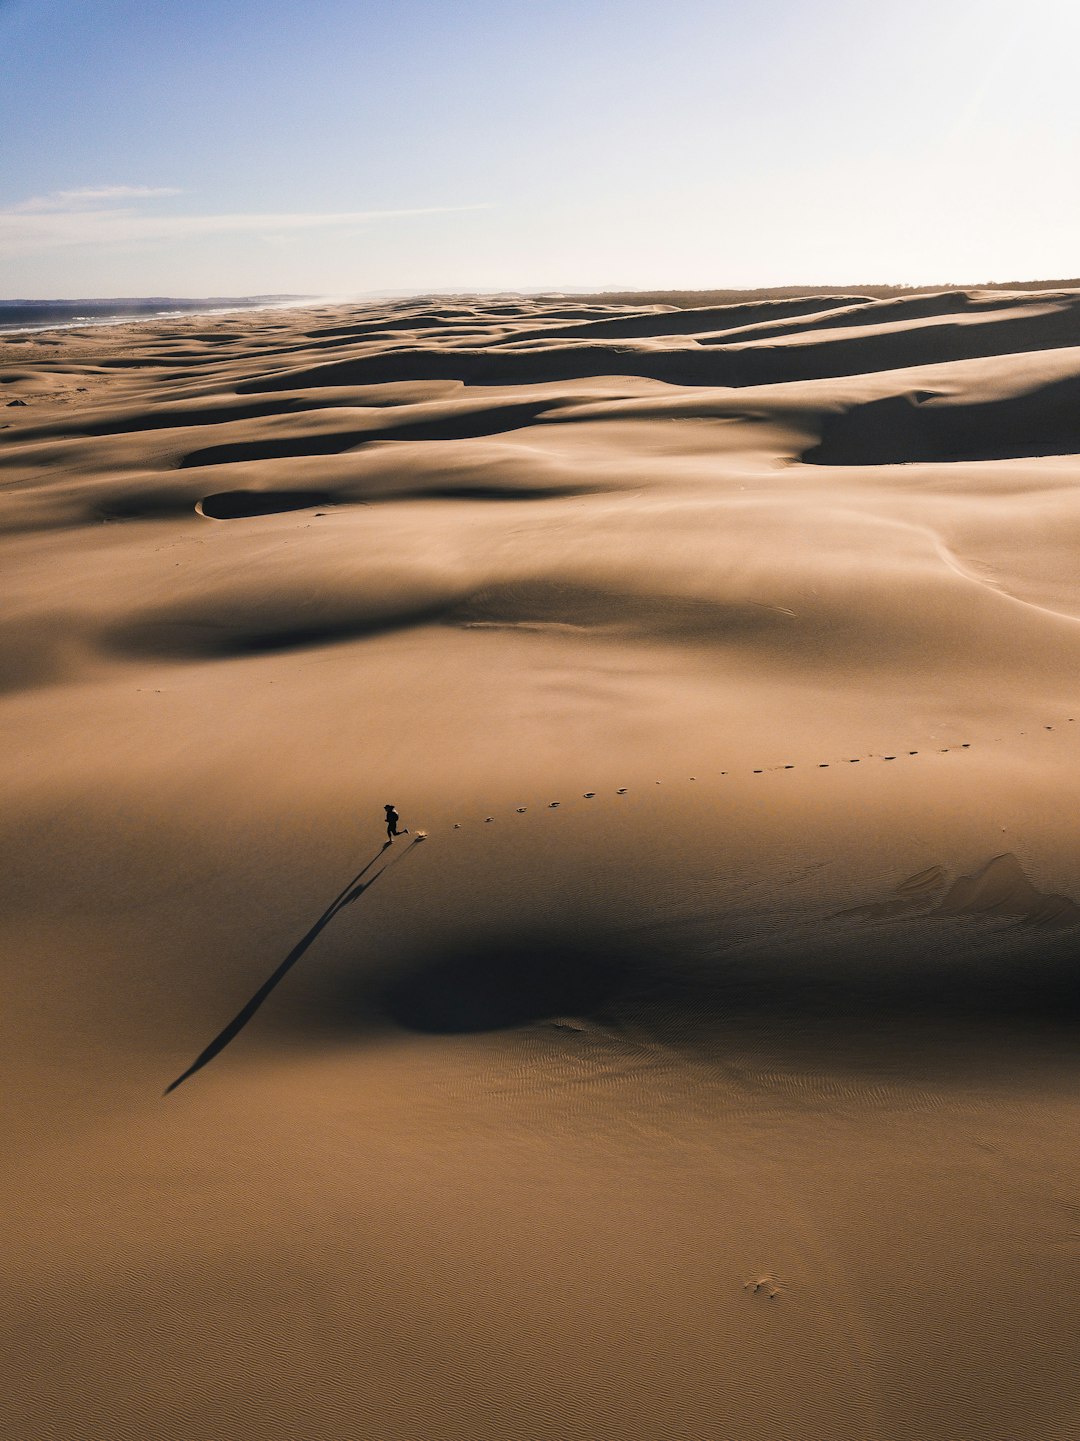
194	147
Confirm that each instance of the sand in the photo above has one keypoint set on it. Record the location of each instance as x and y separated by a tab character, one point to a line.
707	1070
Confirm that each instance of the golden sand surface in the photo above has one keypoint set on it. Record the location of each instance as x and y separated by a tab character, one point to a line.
708	1069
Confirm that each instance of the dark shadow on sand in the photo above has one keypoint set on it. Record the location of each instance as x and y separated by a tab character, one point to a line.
833	987
494	983
355	888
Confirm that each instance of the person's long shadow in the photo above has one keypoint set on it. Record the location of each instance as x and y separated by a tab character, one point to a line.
355	888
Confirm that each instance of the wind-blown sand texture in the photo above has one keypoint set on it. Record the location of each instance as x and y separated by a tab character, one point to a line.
709	1069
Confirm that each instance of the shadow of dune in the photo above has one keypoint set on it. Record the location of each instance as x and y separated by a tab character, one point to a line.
496	984
905	429
350	893
469	425
829	990
243	504
962	971
132	422
855	314
159	502
204	634
696	321
503	367
278	448
248	504
257	626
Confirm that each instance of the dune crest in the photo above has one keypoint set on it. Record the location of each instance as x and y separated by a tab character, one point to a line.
1001	888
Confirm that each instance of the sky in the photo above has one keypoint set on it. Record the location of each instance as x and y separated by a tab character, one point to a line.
343	147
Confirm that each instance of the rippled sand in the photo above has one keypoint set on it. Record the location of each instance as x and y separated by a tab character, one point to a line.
708	1069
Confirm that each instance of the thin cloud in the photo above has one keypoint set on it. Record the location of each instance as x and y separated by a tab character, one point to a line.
89	196
31	226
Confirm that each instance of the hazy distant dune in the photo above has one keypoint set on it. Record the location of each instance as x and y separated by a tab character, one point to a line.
909	333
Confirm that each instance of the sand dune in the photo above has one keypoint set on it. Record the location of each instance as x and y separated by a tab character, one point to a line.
708	1069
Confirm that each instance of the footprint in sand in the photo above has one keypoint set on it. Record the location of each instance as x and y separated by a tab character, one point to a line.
764	1286
589	795
521	810
622	792
488	820
553	805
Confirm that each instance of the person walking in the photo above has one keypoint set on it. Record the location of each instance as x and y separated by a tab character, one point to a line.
392	819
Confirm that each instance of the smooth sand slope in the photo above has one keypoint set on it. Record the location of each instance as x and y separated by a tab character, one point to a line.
709	1070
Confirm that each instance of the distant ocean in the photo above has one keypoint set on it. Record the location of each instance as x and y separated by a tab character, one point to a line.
26	315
